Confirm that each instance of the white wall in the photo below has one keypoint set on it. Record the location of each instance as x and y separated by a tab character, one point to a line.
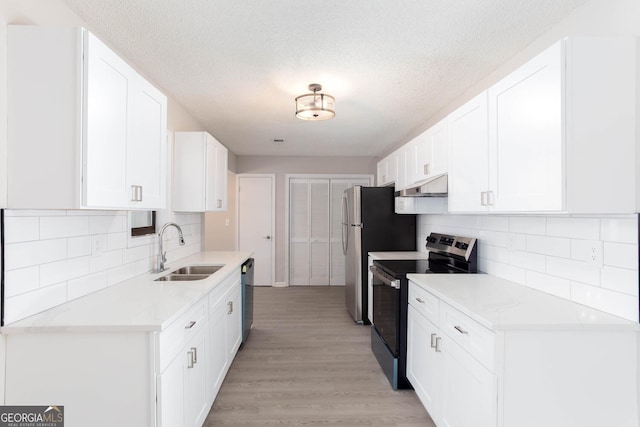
553	254
48	253
52	257
548	252
283	165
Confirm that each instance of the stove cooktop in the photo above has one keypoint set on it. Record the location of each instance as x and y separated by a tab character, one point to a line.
401	267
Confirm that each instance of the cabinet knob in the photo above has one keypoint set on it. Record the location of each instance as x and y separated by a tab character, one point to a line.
427	168
230	304
438	344
420	300
219	203
190	361
268	237
433	340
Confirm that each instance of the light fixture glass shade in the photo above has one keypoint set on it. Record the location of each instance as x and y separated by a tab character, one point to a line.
315	106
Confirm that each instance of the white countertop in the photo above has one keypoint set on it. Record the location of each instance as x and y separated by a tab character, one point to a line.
499	304
398	255
137	304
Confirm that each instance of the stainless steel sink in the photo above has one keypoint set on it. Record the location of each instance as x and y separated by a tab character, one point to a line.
190	272
181	277
198	269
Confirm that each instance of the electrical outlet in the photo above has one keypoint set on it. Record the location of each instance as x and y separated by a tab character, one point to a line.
98	245
594	255
227	222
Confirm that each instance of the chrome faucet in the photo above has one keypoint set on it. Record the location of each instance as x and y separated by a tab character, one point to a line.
162	256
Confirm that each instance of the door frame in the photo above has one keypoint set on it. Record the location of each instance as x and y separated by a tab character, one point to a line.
272	177
287	184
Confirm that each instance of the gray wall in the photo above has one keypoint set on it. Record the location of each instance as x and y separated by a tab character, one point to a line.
283	165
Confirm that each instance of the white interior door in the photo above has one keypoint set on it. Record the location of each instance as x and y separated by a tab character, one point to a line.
256	226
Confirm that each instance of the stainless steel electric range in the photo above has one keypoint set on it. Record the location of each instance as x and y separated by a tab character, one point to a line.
447	255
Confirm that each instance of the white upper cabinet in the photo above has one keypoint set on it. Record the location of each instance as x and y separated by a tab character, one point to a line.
469	155
526	146
553	129
422	157
199	173
387	170
85	130
430	152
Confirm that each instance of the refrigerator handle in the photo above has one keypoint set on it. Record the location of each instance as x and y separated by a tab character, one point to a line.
345	224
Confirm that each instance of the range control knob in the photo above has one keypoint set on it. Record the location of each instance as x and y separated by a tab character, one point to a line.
462	245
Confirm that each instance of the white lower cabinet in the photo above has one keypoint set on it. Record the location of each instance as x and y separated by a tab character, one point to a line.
182	386
155	379
456	390
530	375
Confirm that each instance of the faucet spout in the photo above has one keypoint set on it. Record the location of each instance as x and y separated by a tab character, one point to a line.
162	255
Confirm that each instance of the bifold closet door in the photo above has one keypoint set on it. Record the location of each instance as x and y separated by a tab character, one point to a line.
309	231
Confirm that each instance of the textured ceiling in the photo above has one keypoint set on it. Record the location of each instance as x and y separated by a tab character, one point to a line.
238	65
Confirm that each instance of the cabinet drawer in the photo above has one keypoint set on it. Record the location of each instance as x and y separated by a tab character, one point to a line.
178	334
474	338
221	290
425	302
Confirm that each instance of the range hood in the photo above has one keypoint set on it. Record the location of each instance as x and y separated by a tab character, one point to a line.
436	186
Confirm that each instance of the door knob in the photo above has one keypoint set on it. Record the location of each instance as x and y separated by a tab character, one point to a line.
267	237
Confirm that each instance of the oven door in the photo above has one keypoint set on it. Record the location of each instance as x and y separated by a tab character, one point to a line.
386	308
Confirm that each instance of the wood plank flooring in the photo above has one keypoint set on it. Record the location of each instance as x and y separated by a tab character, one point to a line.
307	363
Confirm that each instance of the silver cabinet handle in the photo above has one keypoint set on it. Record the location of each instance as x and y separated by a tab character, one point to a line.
483	198
190	362
420	300
267	237
427	168
491	198
190	324
459	329
230	304
136	193
438	341
219	203
195	354
433	340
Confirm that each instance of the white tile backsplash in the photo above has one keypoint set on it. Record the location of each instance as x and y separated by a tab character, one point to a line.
55	256
553	254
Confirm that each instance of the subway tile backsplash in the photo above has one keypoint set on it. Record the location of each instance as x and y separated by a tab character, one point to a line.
52	257
589	260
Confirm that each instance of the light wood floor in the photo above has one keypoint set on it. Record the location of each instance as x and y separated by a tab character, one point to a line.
307	363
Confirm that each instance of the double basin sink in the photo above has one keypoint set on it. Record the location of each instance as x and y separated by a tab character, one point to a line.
190	272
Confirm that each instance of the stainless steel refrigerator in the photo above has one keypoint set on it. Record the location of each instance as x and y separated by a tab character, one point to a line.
370	224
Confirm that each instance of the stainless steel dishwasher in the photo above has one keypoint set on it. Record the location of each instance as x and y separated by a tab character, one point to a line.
247	298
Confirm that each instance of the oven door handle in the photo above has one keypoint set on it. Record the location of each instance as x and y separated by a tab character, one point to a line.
385	278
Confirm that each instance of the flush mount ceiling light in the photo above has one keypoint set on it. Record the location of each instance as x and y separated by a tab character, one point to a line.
315	106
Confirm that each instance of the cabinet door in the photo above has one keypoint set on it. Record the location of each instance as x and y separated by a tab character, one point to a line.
211	174
170	396
430	152
526	137
404	171
196	405
216	175
109	81
468	156
469	390
234	320
221	177
148	147
424	364
218	353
